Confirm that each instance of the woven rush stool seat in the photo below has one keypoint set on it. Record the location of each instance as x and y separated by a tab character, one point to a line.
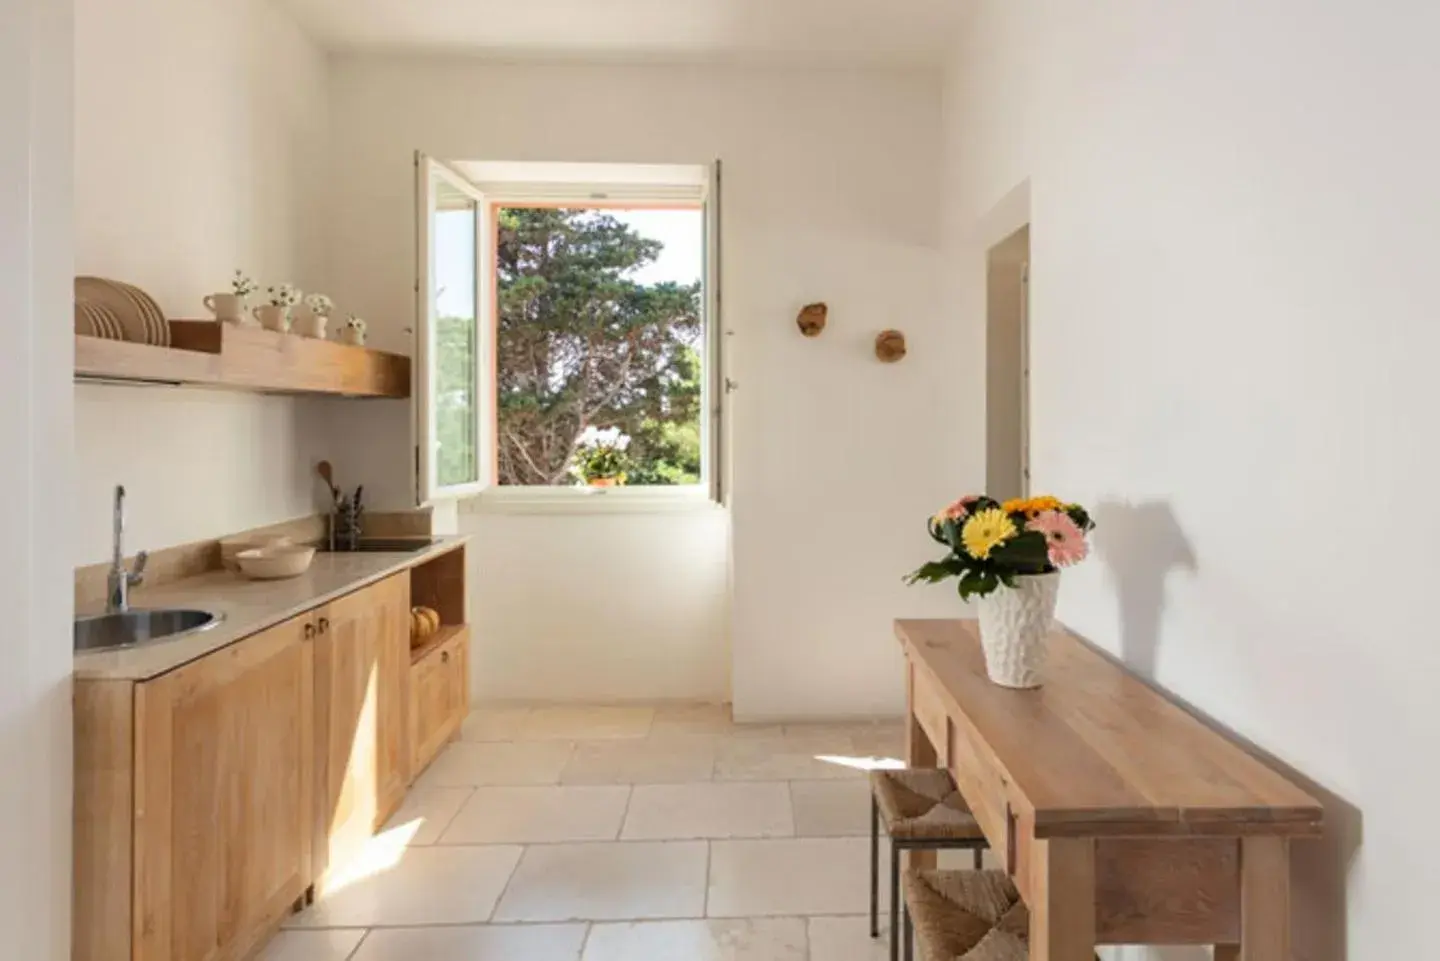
965	916
923	804
922	810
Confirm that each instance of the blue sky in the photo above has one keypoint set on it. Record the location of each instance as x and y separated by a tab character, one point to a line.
682	261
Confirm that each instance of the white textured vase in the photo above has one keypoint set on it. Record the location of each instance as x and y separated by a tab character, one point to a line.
1014	626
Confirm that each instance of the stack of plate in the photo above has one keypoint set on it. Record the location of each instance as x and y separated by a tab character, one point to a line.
97	320
119	311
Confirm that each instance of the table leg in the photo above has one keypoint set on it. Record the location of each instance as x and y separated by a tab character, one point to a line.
1062	900
1264	900
919	753
1227	952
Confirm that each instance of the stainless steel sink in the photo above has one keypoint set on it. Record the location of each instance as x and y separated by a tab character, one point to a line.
382	545
128	628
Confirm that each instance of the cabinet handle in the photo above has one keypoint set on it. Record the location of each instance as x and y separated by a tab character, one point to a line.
324	625
444	657
1009	840
309	631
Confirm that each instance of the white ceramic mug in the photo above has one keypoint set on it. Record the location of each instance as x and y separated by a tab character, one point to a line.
227	307
272	317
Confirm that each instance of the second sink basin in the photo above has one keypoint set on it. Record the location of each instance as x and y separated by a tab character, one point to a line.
106	631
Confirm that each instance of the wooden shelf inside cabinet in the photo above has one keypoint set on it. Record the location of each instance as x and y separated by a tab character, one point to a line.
436	641
212	354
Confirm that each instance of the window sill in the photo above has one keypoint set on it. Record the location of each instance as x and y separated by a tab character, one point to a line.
590	501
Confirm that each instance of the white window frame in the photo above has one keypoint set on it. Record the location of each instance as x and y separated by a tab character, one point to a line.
593	186
428	490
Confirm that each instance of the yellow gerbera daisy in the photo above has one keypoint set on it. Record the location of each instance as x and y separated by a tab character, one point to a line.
986	531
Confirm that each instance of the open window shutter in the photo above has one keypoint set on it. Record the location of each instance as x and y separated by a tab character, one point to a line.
453	399
718	383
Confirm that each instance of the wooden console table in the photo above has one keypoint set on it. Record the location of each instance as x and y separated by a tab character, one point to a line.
1121	817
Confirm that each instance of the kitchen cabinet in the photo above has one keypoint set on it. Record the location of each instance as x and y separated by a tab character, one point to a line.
362	694
212	799
222	827
439	693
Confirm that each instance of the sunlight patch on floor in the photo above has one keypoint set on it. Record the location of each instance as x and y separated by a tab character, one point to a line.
380	854
862	763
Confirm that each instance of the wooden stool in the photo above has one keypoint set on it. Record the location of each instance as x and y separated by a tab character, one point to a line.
922	810
964	916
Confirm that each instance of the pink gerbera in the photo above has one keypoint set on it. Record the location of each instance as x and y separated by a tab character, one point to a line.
1063	537
957	510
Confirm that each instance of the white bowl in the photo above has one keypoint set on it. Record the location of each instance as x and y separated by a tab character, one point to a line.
231	546
274	563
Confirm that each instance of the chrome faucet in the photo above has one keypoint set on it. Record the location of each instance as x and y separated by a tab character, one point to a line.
117	593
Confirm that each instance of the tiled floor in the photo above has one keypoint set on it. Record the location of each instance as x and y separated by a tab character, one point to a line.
618	834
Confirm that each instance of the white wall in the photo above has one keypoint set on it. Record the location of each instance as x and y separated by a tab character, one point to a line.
611	607
35	434
201	145
1233	336
832	182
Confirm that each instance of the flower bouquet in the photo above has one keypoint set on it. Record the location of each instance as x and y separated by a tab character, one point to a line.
600	459
1009	556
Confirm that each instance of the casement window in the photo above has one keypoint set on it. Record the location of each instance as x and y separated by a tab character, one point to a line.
569	347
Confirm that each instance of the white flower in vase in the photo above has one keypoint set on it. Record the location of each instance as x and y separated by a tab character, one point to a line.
285	295
312	316
354	332
243	285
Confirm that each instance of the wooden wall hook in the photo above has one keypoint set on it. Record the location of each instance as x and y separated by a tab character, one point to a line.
812	319
890	346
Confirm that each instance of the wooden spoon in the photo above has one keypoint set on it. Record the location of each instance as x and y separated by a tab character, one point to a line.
327	474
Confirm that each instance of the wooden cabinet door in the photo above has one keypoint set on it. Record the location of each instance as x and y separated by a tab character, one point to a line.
439	695
223	757
362	687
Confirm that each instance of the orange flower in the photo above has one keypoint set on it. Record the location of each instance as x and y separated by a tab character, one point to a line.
1031	506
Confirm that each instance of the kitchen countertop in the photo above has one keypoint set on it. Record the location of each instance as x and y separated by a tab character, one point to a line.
248	607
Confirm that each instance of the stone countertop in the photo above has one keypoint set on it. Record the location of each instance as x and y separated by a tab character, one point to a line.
248	607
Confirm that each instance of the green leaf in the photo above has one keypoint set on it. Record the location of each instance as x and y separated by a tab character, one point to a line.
1025	554
935	571
1081	517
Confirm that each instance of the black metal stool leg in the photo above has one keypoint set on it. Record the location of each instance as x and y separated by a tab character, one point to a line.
979	858
874	867
909	936
894	901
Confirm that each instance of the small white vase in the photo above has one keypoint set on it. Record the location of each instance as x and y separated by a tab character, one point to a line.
272	317
229	308
307	323
1014	629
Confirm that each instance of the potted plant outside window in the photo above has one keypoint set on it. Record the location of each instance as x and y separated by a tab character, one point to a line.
600	459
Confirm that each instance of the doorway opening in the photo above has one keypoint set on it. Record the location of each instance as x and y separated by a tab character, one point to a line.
1007	366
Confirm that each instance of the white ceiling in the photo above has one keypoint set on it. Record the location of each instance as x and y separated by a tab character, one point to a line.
903	31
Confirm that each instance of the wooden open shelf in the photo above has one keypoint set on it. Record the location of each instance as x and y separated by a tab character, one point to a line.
211	354
434	642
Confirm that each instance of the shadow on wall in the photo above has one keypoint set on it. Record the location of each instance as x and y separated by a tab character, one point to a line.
1141	545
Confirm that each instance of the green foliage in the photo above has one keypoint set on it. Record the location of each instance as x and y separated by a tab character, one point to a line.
455	396
598	463
580	343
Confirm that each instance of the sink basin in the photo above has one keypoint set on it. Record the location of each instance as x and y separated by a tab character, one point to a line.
107	631
383	545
